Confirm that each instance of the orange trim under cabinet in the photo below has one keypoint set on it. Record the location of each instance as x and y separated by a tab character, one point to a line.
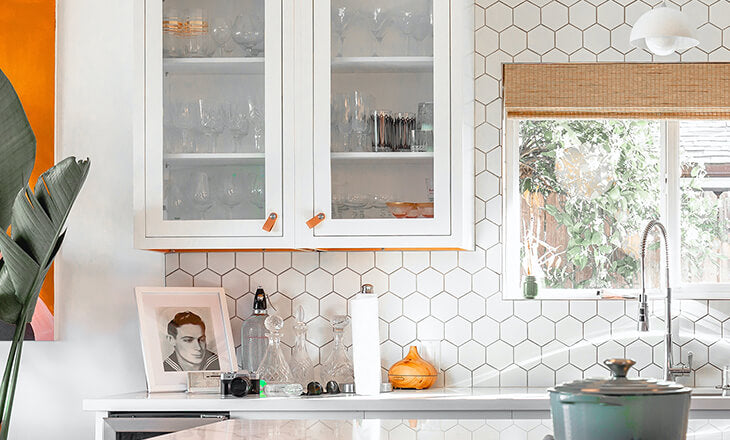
307	250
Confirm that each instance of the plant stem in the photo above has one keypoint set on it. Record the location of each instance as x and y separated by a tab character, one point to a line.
19	331
5	429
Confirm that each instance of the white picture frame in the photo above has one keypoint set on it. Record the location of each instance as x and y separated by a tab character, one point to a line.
173	339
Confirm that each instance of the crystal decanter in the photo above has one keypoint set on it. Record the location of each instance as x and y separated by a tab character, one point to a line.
338	365
301	364
274	368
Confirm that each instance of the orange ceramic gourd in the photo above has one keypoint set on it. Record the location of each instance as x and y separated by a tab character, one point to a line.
412	372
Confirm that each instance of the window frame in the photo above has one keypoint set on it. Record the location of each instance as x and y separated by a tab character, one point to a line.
669	209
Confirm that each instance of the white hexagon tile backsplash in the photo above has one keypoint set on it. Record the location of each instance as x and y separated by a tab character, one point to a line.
456	296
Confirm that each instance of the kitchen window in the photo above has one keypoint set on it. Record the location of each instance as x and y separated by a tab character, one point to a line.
581	180
586	189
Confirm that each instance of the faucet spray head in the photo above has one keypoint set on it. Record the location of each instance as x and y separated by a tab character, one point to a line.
643	319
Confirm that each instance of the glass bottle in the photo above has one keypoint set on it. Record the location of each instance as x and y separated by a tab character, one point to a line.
338	366
301	364
253	334
274	368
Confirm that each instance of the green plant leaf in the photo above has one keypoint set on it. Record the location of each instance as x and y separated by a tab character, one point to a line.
17	149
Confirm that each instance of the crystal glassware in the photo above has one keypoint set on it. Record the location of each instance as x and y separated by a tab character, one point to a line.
200	192
301	364
171	27
196	39
232	192
256	117
422	28
338	365
248	32
184	117
274	368
174	200
238	124
212	121
377	19
220	32
341	120
256	190
403	126
341	19
382	130
360	121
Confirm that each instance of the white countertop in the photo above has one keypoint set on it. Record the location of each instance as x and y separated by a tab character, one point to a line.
440	399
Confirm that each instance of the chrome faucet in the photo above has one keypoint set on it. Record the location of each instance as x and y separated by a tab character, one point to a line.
670	371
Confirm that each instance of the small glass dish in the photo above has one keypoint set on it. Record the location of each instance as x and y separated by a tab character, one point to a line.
401	209
425	209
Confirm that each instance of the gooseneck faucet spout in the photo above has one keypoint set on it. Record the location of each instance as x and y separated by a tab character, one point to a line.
670	372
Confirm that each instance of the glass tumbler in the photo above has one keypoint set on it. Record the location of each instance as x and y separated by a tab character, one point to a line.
403	125
424	124
171	26
382	130
196	37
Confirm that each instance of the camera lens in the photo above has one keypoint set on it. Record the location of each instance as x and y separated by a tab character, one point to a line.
239	386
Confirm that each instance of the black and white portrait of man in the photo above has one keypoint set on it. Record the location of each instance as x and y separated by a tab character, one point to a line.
186	335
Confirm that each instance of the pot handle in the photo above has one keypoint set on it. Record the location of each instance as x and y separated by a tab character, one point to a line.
596	400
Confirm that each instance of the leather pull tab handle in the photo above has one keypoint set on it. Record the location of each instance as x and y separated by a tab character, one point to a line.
314	221
269	225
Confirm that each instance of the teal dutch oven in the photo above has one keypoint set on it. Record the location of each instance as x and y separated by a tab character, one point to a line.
620	408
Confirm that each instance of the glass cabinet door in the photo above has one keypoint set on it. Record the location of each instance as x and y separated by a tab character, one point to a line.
213	117
382	117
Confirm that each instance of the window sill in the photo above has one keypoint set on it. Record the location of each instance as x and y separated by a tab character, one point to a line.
696	292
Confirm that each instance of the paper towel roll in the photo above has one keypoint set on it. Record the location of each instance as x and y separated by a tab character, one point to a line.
366	343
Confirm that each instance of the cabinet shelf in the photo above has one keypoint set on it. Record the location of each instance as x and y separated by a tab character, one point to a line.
384	156
382	64
232	65
214	158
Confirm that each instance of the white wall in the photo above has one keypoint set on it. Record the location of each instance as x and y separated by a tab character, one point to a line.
98	350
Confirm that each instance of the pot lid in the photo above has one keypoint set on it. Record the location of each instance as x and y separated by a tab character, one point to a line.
619	384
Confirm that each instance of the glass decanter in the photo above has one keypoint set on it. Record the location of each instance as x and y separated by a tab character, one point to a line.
338	366
274	368
301	364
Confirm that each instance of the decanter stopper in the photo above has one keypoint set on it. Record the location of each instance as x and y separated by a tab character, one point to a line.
274	368
338	365
301	364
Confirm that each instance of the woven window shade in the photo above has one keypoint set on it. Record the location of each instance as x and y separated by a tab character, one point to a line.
617	90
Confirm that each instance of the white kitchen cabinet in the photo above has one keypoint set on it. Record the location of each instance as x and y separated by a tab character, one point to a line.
203	182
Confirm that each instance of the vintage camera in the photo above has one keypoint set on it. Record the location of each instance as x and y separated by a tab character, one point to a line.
240	384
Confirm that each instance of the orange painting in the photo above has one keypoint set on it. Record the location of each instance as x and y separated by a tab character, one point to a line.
28	59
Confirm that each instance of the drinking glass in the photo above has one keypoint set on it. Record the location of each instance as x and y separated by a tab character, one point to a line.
406	21
341	120
424	124
377	19
382	130
171	27
403	124
248	32
200	192
175	201
232	191
422	28
196	38
256	190
341	19
212	121
185	118
239	125
360	121
220	31
256	116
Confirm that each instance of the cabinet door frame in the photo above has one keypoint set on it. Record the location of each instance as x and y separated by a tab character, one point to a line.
455	56
151	232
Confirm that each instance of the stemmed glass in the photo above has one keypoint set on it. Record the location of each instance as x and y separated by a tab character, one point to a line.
200	192
232	191
238	124
341	18
185	118
422	28
360	119
257	120
341	119
220	31
248	32
212	121
377	19
406	21
175	202
256	190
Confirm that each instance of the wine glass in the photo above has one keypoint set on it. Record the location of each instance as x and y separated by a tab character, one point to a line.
341	119
184	117
377	19
200	192
232	191
422	28
341	19
212	121
220	31
175	201
360	120
248	32
406	20
257	120
256	190
239	124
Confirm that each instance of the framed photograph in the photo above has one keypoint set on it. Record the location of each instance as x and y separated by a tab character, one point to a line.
183	329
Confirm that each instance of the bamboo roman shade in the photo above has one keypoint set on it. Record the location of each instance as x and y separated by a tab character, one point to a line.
617	90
